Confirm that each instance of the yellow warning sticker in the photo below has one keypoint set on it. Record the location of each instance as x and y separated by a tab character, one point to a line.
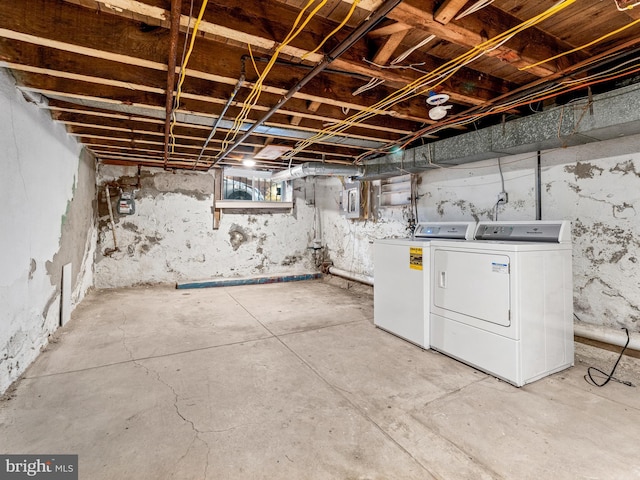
415	258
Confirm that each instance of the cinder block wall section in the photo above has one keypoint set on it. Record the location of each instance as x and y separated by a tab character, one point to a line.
170	237
47	193
595	186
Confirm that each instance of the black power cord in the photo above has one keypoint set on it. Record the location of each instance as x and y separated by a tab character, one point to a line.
589	379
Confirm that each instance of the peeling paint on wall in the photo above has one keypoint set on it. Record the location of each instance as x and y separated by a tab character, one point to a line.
32	268
47	219
601	197
626	168
595	186
238	236
170	237
584	170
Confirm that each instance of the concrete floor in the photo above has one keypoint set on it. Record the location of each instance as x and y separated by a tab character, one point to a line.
292	381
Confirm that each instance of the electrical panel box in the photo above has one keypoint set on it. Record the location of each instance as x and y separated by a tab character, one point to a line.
126	205
351	205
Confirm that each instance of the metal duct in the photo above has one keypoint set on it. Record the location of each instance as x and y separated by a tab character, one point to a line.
609	116
317	169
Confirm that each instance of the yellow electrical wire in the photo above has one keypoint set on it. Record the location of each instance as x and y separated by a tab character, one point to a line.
565	86
411	89
255	67
405	93
183	69
586	45
335	30
256	90
252	99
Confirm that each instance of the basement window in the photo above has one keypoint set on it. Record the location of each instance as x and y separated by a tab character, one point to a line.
242	188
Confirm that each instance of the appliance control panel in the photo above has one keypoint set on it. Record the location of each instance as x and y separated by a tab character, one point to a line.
460	230
539	231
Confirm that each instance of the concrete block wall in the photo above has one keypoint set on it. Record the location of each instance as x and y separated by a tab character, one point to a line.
596	186
47	193
170	238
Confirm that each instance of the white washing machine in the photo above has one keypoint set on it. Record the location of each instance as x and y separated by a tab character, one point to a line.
402	279
503	303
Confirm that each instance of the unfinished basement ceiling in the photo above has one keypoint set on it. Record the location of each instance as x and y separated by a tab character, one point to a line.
307	90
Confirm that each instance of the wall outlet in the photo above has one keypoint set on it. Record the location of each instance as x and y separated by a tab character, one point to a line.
502	198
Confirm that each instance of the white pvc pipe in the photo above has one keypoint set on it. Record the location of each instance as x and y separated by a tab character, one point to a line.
606	334
358	277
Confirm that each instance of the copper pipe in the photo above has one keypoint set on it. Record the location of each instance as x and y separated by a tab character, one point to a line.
176	11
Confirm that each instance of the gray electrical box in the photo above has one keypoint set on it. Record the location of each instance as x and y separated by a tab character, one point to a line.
351	206
126	205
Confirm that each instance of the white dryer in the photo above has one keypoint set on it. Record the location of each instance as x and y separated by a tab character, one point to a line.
402	279
503	303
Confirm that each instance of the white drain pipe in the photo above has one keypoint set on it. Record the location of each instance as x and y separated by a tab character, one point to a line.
358	277
606	335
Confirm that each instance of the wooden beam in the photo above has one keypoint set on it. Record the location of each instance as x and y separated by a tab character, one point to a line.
388	30
159	16
203	98
385	52
314	106
113	100
448	10
465	35
83	110
244	31
101	56
174	32
151	163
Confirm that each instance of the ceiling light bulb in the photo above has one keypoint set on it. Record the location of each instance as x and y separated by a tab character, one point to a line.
249	162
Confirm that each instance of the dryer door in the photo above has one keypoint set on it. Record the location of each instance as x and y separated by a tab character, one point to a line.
473	284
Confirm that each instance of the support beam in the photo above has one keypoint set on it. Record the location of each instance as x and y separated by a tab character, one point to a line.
176	8
296	111
217	25
537	44
314	106
24	50
388	30
357	34
448	10
385	52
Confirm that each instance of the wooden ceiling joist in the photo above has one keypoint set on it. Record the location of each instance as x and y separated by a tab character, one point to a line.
352	62
385	52
525	49
100	50
448	10
103	68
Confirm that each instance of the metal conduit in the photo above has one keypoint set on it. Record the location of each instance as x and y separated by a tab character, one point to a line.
356	35
239	83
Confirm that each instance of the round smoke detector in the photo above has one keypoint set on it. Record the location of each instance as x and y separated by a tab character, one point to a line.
438	99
